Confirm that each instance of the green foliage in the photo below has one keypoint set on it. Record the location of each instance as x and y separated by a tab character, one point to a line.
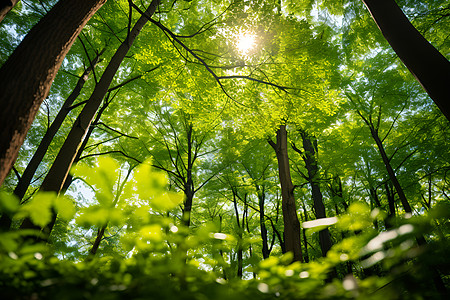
190	114
160	268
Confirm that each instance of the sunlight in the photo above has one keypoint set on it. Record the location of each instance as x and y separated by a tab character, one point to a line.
246	42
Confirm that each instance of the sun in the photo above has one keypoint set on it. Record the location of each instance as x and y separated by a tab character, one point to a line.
246	42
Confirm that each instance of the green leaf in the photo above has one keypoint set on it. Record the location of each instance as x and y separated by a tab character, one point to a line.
65	207
39	208
8	203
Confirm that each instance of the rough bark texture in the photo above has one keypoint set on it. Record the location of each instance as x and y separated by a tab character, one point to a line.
430	67
313	177
32	166
6	6
27	75
291	223
58	172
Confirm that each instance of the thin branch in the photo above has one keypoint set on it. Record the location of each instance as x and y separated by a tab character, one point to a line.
116	131
110	152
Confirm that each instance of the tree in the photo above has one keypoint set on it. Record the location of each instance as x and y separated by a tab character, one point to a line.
39	61
6	6
309	156
292	232
54	180
427	64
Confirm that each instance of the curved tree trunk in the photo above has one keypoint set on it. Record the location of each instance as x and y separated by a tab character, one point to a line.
27	75
427	64
5	7
291	223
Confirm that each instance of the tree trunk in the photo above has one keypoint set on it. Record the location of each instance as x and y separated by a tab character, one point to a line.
58	172
189	183
32	166
80	150
313	177
292	231
97	241
27	75
262	222
430	67
240	252
5	7
390	171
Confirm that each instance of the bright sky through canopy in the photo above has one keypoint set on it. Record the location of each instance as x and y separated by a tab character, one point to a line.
246	42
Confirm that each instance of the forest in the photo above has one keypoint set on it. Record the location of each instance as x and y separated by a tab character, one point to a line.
224	149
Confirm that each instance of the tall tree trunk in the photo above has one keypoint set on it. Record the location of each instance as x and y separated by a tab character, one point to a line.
58	172
39	154
391	204
5	7
98	239
313	177
390	171
430	67
240	262
292	231
83	145
101	230
305	239
189	183
262	222
27	75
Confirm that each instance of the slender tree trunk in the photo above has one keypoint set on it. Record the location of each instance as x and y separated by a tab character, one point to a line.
313	176
262	222
390	171
240	252
101	231
189	183
292	230
337	192
430	67
86	138
305	240
5	7
32	166
58	172
27	75
98	239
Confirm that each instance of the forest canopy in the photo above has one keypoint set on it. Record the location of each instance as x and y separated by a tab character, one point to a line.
224	149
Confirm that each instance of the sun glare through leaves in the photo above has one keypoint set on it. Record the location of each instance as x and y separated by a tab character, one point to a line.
246	43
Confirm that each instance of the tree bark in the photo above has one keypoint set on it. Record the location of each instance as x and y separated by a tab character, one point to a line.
57	174
292	231
427	64
5	7
27	75
313	177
